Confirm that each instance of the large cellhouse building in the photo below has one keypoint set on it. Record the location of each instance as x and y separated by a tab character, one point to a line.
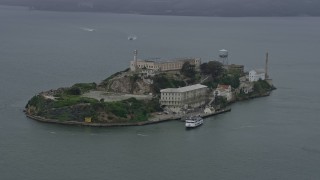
177	99
162	65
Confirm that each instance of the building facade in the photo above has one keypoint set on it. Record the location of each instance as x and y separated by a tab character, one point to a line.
235	67
246	87
177	99
163	65
224	91
256	74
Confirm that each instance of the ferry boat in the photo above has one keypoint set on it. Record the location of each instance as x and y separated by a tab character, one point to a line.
193	121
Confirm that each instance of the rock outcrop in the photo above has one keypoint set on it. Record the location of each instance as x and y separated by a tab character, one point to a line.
129	84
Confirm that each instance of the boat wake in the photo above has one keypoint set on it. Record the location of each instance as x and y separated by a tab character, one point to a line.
248	126
87	29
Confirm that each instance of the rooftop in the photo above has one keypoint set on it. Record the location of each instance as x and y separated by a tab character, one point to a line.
236	65
184	89
223	86
259	71
160	60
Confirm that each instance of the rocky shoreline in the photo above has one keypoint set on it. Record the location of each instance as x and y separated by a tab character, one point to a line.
154	120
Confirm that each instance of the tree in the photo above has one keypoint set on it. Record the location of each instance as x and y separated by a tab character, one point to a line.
188	70
261	86
230	79
213	68
220	101
74	91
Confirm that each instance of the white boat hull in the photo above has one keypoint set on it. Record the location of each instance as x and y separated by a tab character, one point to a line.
193	122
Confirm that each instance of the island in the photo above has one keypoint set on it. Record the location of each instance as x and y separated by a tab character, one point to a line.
152	91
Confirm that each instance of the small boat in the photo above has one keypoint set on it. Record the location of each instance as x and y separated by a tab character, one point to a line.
193	121
131	38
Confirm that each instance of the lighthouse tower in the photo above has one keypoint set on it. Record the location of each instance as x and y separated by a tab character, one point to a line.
266	66
267	77
134	63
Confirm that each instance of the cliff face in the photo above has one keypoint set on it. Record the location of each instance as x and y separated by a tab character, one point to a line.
123	85
127	84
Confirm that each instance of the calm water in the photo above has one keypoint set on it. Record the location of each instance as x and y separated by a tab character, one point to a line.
276	137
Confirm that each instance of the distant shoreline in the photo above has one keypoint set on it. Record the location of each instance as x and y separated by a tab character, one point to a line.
183	14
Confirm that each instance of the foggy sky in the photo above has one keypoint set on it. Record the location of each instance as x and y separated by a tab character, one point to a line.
181	7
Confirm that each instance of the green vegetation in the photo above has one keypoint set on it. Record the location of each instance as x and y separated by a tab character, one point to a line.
85	87
162	81
39	103
230	79
71	100
76	108
70	105
119	108
76	89
220	75
220	102
188	70
65	116
133	109
210	84
262	87
213	68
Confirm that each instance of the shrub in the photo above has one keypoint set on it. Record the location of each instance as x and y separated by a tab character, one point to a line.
162	82
83	87
188	70
117	108
74	91
72	100
230	79
261	86
213	68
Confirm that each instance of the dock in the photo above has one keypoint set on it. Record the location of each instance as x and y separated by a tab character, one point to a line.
169	117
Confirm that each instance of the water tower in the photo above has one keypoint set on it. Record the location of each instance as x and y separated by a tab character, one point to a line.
223	56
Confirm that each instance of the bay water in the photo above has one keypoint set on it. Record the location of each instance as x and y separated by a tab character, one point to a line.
275	137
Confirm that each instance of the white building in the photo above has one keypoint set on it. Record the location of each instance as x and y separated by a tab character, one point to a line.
176	99
256	74
224	91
